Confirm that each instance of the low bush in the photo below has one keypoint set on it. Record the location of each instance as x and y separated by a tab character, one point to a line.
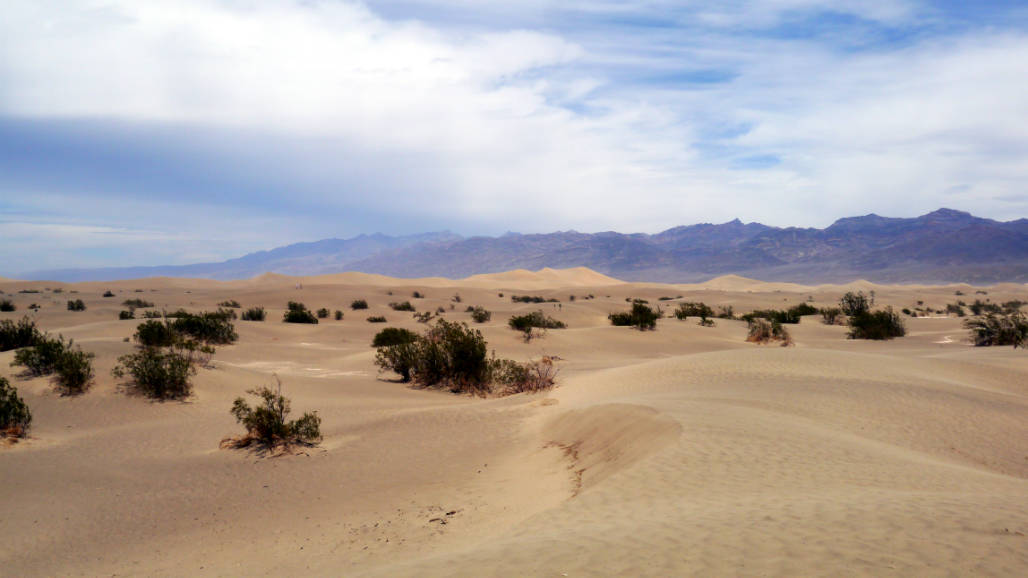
641	316
6	305
453	355
76	305
531	299
1013	306
693	309
156	334
108	293
137	303
323	313
393	336
791	315
339	315
980	307
418	295
377	319
72	368
405	306
15	335
298	313
157	372
126	314
231	304
996	329
529	322
207	327
955	309
358	304
423	317
152	315
15	417
831	315
254	314
878	325
74	371
762	330
41	358
725	312
480	314
266	421
854	303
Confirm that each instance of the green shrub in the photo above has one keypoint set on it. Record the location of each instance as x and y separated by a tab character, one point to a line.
156	334
6	305
157	373
323	313
480	314
15	417
72	366
254	314
791	315
641	316
207	327
76	305
762	330
980	307
358	304
74	371
691	309
405	306
1001	329
266	423
536	319
831	315
955	309
41	358
854	303
298	313
377	319
803	309
138	303
339	315
393	336
15	335
231	304
883	324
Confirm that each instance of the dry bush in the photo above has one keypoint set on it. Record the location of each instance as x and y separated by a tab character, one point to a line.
765	331
266	424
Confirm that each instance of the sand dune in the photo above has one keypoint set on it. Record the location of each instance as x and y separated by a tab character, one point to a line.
683	451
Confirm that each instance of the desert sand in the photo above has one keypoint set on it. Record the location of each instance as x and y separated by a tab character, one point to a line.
678	452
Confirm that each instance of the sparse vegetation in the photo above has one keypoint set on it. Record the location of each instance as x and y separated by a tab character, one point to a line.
791	315
529	322
158	373
6	305
762	330
725	312
641	316
323	313
339	315
266	421
453	355
531	299
358	304
76	305
878	325
126	314
693	309
480	314
418	295
831	315
108	293
377	319
298	313
998	329
137	303
230	304
855	303
955	309
15	417
404	306
15	335
254	314
393	336
73	368
980	307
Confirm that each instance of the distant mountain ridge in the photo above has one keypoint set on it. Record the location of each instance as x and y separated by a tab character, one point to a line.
940	247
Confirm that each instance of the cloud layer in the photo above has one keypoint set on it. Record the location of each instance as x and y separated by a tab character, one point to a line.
218	127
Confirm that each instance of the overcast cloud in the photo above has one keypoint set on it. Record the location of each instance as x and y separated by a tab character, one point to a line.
135	132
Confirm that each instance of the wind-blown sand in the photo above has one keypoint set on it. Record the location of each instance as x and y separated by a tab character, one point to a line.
683	451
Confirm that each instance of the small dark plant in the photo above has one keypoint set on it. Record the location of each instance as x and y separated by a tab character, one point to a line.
854	303
6	305
358	304
1000	329
393	336
641	317
878	325
108	293
323	313
298	313
480	314
126	314
15	417
266	422
254	314
231	303
15	335
377	319
137	303
405	306
157	373
339	315
76	305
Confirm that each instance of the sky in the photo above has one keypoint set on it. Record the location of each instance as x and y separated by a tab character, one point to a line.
138	132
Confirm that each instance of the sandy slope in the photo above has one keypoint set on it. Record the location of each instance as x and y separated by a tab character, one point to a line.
683	451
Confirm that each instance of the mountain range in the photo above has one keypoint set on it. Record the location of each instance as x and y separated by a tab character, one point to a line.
940	247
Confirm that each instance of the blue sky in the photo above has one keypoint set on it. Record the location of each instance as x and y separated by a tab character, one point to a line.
149	132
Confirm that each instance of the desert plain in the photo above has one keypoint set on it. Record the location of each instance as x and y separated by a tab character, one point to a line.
683	451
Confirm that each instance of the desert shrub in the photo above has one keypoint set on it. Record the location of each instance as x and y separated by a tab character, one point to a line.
266	422
725	312
882	324
207	327
34	307
693	309
126	314
108	293
531	377
980	307
803	309
323	313
15	417
456	298
405	306
907	311
530	321
377	319
955	309
791	315
418	295
159	373
440	310
401	358
156	334
480	314
76	305
393	336
339	315
138	303
72	366
152	315
423	317
531	299
15	335
762	330
254	314
854	303
298	313
231	304
58	291
358	304
706	322
830	315
641	316
996	329
6	305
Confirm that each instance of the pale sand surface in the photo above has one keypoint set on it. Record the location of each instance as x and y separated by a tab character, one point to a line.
683	451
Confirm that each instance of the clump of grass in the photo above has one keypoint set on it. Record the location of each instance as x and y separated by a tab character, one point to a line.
323	313
339	315
480	315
